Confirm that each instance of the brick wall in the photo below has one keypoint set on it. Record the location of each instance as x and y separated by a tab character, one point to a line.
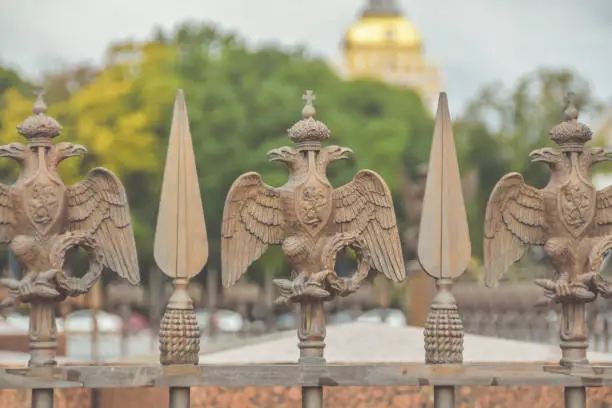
346	397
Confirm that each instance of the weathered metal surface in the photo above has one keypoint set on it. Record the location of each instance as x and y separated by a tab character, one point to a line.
181	244
180	397
444	243
312	397
330	375
42	398
312	222
444	396
568	217
41	220
575	397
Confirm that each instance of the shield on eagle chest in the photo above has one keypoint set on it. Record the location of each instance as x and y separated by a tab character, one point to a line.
577	203
313	203
44	200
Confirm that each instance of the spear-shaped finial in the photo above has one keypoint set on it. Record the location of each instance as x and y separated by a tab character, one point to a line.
444	243
181	244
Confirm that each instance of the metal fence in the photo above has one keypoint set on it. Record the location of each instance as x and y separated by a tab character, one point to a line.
41	220
518	320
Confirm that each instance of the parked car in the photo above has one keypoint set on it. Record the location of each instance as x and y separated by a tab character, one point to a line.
137	322
81	321
286	321
203	319
22	321
226	320
229	321
391	317
341	317
18	320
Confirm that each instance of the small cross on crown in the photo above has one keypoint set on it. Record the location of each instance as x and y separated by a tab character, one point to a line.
308	133
309	110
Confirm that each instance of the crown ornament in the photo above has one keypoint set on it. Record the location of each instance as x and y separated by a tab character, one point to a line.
570	134
308	133
39	128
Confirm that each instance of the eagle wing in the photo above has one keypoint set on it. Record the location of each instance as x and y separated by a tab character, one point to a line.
7	215
603	212
252	220
364	206
514	220
99	205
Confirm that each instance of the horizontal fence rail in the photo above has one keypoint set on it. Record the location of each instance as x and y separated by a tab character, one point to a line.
296	375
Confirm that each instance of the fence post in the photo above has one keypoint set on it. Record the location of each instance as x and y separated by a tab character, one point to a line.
571	220
575	397
312	222
49	220
444	250
181	249
42	398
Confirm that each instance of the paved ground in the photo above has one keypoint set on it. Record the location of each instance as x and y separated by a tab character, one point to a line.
364	342
355	342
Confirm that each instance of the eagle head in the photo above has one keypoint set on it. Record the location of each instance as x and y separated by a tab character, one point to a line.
284	154
547	155
16	151
65	149
599	155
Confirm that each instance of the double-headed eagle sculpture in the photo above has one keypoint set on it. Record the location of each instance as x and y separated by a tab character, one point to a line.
41	219
568	217
310	219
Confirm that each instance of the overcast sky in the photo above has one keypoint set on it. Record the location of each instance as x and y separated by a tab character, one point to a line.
473	41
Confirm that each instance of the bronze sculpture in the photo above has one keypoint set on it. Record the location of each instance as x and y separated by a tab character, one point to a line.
568	217
41	219
311	221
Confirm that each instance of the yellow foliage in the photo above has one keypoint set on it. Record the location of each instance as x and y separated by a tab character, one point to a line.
115	116
16	109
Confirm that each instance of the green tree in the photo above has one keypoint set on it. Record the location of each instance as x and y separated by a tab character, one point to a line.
501	127
241	101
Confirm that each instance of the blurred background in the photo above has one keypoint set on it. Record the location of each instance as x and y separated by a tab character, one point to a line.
110	71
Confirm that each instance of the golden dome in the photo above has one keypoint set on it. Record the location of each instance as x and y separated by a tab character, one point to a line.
394	31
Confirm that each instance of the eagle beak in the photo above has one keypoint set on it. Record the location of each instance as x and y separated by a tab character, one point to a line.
5	151
599	155
282	154
77	150
11	150
340	153
537	156
275	155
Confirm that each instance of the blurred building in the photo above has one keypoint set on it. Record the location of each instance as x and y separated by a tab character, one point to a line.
385	45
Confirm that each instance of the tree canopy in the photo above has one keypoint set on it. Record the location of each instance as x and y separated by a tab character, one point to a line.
241	101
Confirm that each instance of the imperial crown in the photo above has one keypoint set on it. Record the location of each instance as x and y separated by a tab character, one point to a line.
308	133
570	135
39	128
